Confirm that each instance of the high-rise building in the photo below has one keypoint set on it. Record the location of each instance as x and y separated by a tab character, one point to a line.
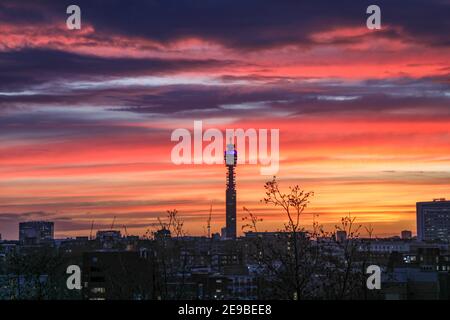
230	162
433	220
36	232
108	235
406	235
104	278
341	236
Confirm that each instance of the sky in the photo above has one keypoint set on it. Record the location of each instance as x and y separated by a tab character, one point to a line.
86	115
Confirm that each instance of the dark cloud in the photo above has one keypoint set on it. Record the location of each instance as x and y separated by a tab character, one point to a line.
24	215
38	65
90	205
247	24
22	13
424	97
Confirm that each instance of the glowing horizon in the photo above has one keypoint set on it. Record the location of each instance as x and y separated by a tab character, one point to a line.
86	116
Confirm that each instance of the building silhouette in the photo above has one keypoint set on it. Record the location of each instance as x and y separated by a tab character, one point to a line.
116	275
406	235
230	162
341	236
36	232
433	220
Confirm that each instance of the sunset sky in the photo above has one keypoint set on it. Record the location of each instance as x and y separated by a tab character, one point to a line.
86	115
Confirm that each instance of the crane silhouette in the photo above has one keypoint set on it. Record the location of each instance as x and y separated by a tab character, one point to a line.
209	222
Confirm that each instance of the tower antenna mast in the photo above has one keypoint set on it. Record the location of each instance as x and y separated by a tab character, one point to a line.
230	163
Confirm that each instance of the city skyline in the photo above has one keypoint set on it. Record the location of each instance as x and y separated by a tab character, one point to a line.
441	203
86	115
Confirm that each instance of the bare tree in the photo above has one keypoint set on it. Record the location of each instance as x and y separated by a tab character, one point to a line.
289	257
251	221
172	259
292	203
301	264
37	274
345	261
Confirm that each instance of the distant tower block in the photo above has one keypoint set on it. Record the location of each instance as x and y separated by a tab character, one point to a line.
230	162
